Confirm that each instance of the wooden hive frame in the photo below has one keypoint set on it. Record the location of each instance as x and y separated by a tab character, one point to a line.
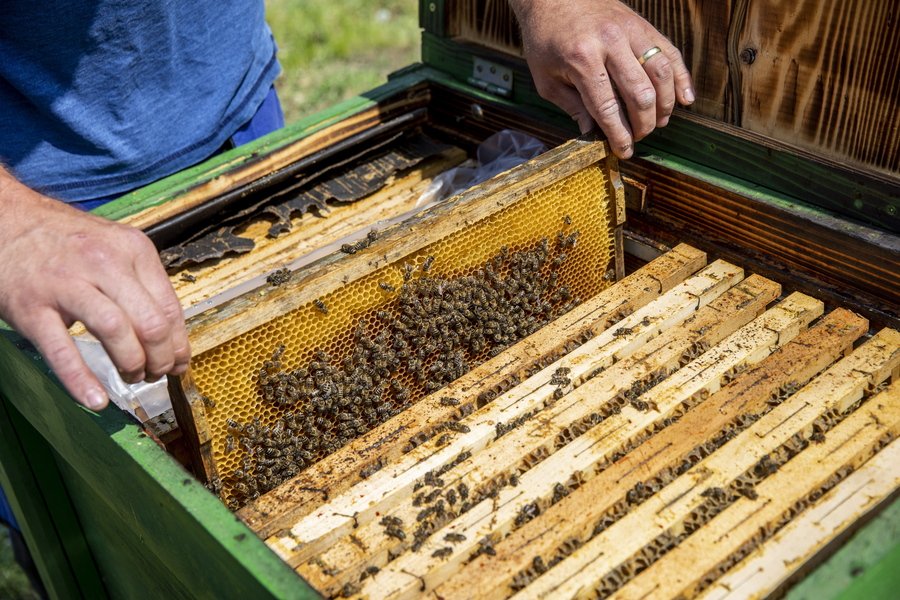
257	307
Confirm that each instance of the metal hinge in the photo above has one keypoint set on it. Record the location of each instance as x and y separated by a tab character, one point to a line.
491	77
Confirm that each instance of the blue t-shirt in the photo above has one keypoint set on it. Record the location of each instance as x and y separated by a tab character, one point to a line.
98	97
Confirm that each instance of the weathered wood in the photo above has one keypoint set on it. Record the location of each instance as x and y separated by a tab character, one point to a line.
670	509
543	435
774	561
815	251
282	506
272	162
824	77
187	404
248	311
574	516
360	504
308	233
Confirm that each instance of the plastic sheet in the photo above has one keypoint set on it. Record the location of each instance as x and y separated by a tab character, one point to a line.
500	152
142	400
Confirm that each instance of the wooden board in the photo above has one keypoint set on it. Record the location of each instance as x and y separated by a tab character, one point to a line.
824	77
595	496
300	496
671	510
776	560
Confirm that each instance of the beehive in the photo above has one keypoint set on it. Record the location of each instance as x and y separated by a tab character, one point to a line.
709	430
566	202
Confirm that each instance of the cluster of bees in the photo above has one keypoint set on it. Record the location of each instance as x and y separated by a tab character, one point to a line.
432	330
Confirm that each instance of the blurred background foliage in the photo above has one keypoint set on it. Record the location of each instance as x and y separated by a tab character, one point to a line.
334	49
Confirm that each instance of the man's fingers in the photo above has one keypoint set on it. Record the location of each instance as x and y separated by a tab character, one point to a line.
151	325
112	327
657	66
601	101
52	340
684	85
569	100
154	278
635	88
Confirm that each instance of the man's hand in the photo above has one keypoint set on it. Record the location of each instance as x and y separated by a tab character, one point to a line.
59	265
585	55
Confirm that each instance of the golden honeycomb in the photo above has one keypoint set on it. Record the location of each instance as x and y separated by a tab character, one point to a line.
228	374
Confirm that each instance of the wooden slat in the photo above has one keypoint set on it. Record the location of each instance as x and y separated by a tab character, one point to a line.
241	174
369	545
360	504
668	510
308	233
684	570
334	474
574	516
248	311
396	580
188	407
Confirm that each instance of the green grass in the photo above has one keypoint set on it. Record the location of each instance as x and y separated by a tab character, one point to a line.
14	584
334	49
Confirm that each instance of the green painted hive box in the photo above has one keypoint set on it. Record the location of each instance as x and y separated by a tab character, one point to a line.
790	188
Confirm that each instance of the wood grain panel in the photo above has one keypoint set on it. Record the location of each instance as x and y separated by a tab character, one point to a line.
825	77
699	29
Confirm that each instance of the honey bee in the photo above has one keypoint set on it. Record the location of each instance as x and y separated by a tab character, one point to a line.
386	286
229	444
208	402
348	249
457	427
442	552
454	538
463	490
426	266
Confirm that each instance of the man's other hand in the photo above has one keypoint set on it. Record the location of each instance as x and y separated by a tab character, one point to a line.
59	265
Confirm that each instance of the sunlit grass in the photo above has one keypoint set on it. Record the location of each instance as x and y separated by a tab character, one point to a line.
334	49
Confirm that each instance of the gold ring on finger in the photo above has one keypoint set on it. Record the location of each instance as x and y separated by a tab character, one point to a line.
649	54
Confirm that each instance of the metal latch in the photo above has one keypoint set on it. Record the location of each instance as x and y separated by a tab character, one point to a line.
491	77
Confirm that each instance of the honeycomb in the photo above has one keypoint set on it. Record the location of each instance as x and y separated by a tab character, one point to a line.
229	374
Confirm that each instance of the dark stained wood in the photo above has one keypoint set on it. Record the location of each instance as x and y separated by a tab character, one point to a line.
487	22
699	29
826	78
190	414
855	266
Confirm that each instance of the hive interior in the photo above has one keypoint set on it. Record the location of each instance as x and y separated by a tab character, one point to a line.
229	374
